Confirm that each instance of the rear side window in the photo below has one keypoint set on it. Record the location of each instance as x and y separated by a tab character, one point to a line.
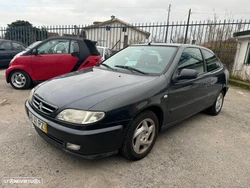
191	58
5	46
92	48
74	46
212	62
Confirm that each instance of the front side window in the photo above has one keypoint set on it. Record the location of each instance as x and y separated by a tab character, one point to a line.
247	59
212	62
191	58
17	46
57	46
143	58
5	46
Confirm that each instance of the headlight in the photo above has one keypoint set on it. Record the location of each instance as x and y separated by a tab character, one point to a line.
80	116
31	95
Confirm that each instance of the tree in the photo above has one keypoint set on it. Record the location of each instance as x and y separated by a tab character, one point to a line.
25	32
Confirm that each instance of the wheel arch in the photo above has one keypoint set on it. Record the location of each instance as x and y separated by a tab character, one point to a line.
224	89
19	69
157	110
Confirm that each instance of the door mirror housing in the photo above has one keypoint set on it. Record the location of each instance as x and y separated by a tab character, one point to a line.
75	54
187	74
34	52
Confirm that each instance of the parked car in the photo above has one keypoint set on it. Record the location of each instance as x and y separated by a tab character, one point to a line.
8	49
113	107
104	51
51	58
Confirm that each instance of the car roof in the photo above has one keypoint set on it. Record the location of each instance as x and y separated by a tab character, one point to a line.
69	38
172	44
5	40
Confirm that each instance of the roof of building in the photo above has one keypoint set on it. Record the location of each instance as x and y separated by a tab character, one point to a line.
242	34
114	19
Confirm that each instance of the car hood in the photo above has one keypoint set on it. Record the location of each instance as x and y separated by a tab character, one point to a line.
84	89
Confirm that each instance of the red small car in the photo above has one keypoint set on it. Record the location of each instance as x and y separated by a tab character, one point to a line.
50	58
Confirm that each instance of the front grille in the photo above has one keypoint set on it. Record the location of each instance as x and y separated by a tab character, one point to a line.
43	106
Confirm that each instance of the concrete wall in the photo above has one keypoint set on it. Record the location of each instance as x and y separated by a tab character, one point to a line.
240	69
111	37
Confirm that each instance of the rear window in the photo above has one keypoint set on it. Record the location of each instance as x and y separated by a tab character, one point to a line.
92	48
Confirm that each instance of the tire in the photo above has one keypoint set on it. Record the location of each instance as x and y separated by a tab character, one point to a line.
217	106
20	80
146	126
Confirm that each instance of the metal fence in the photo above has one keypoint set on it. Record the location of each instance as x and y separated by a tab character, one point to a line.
216	35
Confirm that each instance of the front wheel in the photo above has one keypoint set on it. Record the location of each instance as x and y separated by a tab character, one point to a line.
20	80
141	136
217	106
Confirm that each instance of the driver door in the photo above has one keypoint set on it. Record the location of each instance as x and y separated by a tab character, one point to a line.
53	59
187	97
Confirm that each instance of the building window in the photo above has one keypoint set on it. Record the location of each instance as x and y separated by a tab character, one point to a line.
124	29
108	28
247	59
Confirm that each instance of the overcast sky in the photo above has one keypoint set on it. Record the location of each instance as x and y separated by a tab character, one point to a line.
71	12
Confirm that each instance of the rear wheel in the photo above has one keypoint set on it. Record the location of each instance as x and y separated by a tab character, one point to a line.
217	106
20	80
141	136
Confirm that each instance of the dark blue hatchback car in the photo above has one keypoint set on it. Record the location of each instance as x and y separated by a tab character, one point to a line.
122	104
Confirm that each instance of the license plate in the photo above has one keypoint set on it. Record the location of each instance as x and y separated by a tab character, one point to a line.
38	123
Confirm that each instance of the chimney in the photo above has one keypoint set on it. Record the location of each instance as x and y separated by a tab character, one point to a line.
112	17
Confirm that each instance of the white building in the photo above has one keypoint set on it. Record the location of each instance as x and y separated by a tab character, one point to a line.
112	33
241	66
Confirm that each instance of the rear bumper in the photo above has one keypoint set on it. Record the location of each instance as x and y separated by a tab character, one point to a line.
94	143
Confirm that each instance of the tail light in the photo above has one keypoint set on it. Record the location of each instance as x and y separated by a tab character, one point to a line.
98	59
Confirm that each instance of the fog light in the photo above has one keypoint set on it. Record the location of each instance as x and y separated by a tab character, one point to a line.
73	146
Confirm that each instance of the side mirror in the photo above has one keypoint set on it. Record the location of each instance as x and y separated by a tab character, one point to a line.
34	52
187	74
75	54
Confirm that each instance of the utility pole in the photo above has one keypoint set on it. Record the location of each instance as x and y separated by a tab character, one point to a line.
185	40
166	36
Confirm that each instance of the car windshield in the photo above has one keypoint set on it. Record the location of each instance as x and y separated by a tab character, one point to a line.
142	59
100	50
33	44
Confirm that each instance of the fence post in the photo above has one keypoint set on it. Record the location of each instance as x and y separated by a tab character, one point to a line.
125	44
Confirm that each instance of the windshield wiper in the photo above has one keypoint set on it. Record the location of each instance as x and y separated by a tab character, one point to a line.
107	66
130	68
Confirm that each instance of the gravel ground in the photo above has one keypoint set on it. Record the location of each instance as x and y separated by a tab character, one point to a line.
203	151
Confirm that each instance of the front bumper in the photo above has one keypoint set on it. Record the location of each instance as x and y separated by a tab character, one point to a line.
94	143
7	72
